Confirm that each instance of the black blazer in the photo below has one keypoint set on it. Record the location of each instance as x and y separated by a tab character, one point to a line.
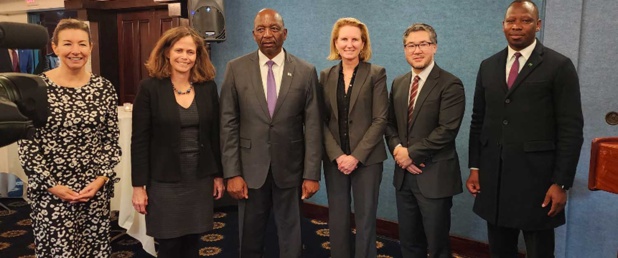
6	66
155	141
526	138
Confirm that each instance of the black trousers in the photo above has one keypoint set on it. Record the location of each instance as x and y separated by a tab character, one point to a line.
424	223
184	246
503	242
253	215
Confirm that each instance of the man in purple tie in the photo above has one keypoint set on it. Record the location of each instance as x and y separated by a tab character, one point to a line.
525	138
271	137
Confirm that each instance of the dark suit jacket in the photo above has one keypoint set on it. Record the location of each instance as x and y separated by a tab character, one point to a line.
5	61
289	144
367	114
155	141
526	138
431	141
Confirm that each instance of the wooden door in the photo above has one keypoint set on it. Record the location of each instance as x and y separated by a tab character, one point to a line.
138	32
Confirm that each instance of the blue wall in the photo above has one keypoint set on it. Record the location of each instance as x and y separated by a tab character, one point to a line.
586	31
468	32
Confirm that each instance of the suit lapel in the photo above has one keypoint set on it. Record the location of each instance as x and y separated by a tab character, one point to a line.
256	81
432	81
536	58
202	102
501	66
359	81
286	81
167	95
402	104
333	83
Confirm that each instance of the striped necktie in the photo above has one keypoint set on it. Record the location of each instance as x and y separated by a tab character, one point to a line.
413	93
15	60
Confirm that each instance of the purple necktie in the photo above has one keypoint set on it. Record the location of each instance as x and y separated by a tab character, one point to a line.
514	70
271	88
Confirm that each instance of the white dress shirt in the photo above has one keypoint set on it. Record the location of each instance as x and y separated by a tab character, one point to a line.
525	55
277	69
423	78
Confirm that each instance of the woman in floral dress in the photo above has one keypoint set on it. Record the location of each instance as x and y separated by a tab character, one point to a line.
70	160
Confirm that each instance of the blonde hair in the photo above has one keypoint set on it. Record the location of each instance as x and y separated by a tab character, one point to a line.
365	53
158	65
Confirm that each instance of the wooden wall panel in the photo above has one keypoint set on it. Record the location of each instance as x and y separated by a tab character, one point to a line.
138	32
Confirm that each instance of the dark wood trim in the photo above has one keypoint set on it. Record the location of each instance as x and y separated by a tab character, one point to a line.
95	58
113	5
104	32
50	19
462	246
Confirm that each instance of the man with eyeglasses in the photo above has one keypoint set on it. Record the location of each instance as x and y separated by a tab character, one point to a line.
271	137
425	111
525	138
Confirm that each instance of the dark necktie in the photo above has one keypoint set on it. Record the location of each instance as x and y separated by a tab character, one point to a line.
15	60
413	93
514	70
271	88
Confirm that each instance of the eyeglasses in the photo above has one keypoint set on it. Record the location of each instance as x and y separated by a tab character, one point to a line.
422	46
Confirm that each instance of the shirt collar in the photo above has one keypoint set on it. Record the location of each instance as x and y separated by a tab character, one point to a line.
425	73
525	53
279	58
341	67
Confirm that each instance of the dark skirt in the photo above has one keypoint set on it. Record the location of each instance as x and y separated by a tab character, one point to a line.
182	208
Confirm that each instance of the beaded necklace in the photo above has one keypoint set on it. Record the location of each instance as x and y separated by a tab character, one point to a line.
183	92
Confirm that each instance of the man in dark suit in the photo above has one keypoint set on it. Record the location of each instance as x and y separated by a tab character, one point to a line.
525	138
271	137
425	112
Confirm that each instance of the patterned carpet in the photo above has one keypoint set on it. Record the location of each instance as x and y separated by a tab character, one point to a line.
16	240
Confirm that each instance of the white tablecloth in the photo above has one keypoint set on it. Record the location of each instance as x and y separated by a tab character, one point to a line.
128	218
9	163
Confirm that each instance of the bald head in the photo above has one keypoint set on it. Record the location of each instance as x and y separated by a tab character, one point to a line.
525	4
269	12
269	32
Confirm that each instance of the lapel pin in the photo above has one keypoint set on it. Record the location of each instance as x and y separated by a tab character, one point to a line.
289	74
529	64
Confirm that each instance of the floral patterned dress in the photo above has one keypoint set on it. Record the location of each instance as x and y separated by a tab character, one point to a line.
78	144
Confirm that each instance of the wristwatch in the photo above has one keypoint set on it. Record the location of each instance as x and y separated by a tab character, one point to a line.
564	187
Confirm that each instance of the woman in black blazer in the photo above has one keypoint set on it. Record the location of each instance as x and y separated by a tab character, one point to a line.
355	110
175	157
